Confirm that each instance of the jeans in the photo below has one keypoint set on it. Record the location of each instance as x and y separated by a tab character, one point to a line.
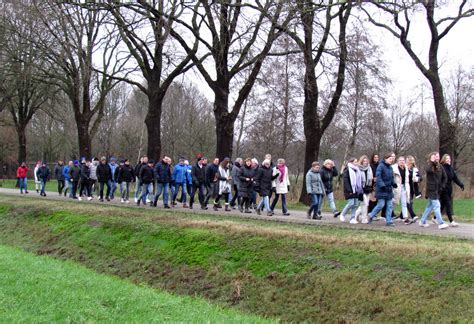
23	184
43	186
101	189
237	198
138	188
125	190
435	206
73	189
265	202
283	202
316	202
380	205
176	190
112	185
352	204
145	192
68	186
331	201
161	188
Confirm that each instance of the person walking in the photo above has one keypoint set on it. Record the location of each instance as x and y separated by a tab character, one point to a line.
353	190
374	163
315	188
263	184
327	173
367	188
138	182
224	184
74	177
112	184
436	180
37	181
22	176
446	197
43	175
401	194
414	179
282	186
384	188
180	180
104	176
58	174
235	173
93	178
67	179
247	175
125	175
85	180
163	180
211	181
198	175
147	177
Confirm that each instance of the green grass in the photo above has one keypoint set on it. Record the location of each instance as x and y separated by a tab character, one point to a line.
41	289
291	272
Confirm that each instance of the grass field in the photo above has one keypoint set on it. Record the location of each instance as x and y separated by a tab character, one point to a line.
290	272
40	289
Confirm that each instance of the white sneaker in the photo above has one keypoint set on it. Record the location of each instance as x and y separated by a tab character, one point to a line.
136	200
365	221
342	218
122	201
353	221
423	224
453	224
79	198
89	198
148	201
435	221
443	226
128	201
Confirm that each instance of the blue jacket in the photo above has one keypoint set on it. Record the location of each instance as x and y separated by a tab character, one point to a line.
180	174
66	173
385	181
190	174
162	173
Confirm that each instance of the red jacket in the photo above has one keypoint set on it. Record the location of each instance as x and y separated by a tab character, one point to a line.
22	172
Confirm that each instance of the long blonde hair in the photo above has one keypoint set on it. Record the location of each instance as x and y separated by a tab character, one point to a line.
411	161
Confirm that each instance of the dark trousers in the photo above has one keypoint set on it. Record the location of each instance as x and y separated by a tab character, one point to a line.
211	191
446	200
61	184
283	202
101	190
85	186
73	189
236	197
201	187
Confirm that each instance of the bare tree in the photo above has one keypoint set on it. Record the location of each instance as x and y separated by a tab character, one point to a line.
401	13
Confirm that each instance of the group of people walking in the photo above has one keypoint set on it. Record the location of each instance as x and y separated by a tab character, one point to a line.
370	186
373	186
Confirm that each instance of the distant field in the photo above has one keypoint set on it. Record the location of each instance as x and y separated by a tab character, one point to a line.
290	272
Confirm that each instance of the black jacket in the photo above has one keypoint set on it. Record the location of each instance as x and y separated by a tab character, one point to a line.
211	171
85	172
104	173
147	175
74	173
136	170
451	177
348	194
327	176
435	180
263	180
58	172
125	174
246	186
43	173
198	174
163	172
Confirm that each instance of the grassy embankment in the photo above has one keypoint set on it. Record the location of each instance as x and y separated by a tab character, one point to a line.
291	272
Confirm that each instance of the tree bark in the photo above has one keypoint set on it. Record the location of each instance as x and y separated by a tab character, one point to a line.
153	122
21	144
84	138
224	121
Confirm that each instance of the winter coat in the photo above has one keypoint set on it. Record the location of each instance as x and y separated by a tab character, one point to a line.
162	172
85	172
125	174
281	187
348	191
224	185
235	172
315	183
384	183
113	171
66	173
43	174
436	180
93	168
327	175
451	177
136	170
211	171
58	172
180	174
397	192
246	186
22	172
198	174
147	174
104	173
263	180
74	173
35	173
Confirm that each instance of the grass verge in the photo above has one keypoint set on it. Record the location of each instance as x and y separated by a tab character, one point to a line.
291	272
41	289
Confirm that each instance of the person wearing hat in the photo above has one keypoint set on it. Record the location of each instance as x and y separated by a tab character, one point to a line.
147	176
43	174
74	176
180	178
104	176
125	176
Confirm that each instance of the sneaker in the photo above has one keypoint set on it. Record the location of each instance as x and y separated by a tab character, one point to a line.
166	207
337	213
342	218
435	221
122	201
136	199
414	219
108	199
418	196
390	224
89	198
127	201
353	221
102	200
407	221
286	214
423	224
26	192
308	214
148	201
258	211
204	207
79	198
443	226
365	221
453	224
185	206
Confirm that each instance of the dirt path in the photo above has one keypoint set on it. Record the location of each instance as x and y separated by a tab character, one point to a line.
464	231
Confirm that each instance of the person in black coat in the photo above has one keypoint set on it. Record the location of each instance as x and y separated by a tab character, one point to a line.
147	177
85	180
125	175
263	185
247	175
163	181
374	163
74	177
212	183
43	175
446	197
58	173
328	172
104	176
198	174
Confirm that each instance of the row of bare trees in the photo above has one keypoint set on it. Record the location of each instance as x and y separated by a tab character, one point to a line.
70	56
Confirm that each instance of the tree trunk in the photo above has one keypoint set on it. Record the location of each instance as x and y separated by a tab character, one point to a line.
224	122
153	124
84	138
21	144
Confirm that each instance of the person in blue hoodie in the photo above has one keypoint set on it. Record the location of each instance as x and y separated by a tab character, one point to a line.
180	178
112	182
67	179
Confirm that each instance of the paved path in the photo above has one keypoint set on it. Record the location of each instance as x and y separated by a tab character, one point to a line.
464	231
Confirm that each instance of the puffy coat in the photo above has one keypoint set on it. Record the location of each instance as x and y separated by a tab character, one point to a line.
180	174
147	174
22	172
451	177
125	174
74	173
384	183
85	172
246	186
235	174
348	191
327	176
211	171
66	175
281	187
162	172
58	172
35	173
198	174
43	173
436	180
263	180
93	168
136	170
315	184
104	173
397	178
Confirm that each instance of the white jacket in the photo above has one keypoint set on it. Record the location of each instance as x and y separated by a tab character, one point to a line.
281	187
397	192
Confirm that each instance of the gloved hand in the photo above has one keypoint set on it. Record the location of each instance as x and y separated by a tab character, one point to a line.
288	187
462	188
